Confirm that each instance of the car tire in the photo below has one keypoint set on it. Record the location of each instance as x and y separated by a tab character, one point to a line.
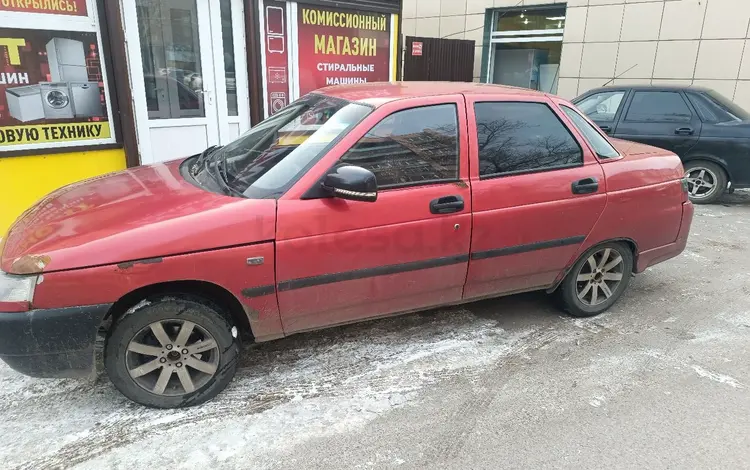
597	280
146	360
702	173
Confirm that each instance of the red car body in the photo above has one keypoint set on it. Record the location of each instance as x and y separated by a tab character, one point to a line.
291	264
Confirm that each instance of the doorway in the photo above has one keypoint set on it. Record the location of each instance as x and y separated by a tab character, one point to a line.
189	75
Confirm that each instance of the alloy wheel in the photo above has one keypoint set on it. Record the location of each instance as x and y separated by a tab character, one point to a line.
172	357
599	277
702	182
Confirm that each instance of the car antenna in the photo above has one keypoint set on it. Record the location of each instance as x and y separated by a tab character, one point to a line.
623	73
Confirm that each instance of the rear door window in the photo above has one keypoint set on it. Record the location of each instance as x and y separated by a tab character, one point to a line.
658	106
522	138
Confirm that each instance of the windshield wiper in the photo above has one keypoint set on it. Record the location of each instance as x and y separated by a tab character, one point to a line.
203	159
222	179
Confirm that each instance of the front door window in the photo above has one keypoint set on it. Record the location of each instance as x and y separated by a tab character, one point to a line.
602	107
411	147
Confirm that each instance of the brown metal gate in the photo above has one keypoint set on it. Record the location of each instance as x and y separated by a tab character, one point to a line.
436	59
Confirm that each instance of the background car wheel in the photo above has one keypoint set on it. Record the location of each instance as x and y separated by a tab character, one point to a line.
706	181
171	353
597	280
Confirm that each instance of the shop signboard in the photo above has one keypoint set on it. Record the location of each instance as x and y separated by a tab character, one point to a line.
54	7
51	88
341	47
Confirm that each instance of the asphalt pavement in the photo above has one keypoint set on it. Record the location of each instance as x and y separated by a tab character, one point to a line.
660	381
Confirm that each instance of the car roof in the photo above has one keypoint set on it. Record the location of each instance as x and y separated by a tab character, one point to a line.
649	88
378	93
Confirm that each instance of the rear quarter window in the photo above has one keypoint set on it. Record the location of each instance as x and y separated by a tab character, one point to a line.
601	146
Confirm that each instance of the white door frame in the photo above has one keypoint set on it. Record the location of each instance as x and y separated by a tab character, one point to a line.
242	120
216	120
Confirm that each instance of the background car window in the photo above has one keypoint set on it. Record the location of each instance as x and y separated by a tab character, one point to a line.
415	146
522	137
602	106
714	109
600	145
658	106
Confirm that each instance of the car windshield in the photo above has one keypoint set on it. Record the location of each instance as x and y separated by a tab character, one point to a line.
269	158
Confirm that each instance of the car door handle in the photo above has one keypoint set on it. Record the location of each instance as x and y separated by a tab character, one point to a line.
447	205
684	131
606	129
585	186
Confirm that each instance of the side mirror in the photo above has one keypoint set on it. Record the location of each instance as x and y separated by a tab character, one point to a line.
353	183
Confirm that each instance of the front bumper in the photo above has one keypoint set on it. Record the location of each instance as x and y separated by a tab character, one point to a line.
51	342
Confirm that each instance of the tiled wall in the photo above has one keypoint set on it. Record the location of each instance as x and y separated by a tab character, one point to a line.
700	42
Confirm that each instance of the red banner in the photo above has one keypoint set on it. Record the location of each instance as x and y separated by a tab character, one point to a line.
57	7
277	56
341	47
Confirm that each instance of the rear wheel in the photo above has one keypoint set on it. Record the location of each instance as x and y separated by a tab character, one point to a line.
706	181
171	353
597	280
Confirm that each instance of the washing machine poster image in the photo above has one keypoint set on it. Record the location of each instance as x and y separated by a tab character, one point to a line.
51	88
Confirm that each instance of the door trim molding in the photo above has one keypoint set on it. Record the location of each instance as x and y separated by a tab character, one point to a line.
517	249
386	270
371	272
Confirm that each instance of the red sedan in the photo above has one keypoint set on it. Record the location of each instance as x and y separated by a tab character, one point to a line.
352	203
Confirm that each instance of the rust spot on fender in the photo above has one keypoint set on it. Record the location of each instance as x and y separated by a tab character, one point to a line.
130	264
462	184
30	264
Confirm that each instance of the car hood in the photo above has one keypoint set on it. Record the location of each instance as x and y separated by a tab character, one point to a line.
141	213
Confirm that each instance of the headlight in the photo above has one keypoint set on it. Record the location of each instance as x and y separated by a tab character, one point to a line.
16	288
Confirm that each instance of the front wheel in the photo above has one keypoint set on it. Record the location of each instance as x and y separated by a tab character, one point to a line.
171	353
597	280
706	181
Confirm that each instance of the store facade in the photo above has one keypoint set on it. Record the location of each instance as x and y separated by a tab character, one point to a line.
92	86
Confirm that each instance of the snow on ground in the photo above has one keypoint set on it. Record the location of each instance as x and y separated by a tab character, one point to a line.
280	396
